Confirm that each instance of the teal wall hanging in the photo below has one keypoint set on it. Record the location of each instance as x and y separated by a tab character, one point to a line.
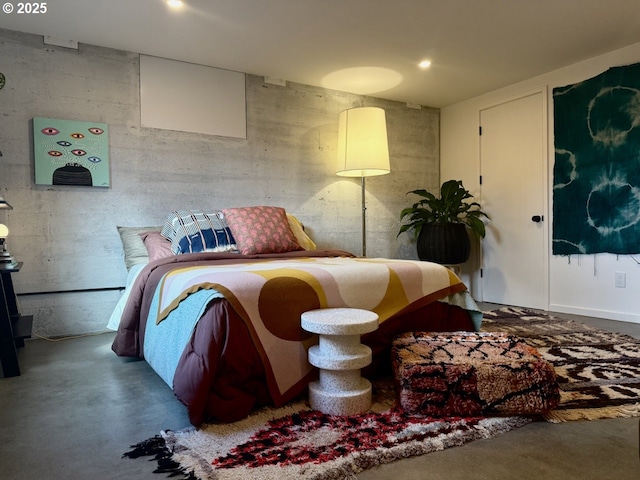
596	175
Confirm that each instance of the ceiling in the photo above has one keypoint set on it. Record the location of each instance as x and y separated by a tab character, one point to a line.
369	47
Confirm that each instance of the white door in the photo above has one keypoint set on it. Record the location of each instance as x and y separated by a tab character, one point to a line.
513	194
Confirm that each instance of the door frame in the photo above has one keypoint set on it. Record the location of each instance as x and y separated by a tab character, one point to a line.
546	180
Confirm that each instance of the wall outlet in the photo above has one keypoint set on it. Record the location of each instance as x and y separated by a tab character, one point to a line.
621	280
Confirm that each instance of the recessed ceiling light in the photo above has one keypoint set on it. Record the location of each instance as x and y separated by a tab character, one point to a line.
175	3
425	64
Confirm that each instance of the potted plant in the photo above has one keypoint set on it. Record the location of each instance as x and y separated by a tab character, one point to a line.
440	223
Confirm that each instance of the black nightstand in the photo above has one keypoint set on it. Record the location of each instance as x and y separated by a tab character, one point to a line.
14	327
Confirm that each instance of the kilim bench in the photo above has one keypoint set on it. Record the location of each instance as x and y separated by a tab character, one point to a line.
467	373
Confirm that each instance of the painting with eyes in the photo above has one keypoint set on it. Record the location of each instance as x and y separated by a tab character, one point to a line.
70	152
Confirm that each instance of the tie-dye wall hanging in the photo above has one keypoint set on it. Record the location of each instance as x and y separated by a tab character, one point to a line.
68	152
596	176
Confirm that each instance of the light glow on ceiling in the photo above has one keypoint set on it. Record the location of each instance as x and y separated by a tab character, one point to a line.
362	80
424	64
175	4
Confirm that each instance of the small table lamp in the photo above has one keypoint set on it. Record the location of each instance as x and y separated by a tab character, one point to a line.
6	260
4	205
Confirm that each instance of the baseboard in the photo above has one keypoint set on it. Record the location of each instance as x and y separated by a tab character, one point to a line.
590	312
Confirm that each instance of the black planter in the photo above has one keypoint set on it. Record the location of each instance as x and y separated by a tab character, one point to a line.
446	244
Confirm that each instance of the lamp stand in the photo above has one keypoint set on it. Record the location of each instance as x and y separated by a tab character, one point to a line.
364	221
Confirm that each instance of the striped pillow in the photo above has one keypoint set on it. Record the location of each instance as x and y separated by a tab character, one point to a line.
192	231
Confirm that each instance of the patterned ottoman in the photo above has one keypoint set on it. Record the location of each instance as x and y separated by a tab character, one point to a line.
466	374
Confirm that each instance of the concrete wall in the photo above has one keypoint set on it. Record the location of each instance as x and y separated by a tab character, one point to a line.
579	284
66	236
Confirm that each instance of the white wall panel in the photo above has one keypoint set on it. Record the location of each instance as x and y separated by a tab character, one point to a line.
192	98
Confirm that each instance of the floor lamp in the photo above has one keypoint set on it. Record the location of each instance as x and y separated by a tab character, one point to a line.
363	150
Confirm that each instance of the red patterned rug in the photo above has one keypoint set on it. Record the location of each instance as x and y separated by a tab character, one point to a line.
295	442
598	373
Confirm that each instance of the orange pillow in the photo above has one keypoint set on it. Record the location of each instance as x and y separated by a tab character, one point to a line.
261	229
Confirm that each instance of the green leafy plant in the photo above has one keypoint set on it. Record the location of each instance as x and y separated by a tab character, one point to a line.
450	207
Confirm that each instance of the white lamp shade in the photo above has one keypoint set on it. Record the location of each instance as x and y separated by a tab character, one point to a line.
363	150
4	231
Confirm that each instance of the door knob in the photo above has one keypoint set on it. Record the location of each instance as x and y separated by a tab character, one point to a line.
537	218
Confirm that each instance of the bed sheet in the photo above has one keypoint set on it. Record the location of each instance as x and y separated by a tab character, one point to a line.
116	315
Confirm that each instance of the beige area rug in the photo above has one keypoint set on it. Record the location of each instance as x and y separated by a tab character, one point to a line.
598	373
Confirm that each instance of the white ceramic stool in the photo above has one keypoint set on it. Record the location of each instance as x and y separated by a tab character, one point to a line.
339	355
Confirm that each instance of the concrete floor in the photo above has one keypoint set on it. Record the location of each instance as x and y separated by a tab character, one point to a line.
76	408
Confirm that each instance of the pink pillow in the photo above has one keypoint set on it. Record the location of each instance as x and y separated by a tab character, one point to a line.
157	245
261	230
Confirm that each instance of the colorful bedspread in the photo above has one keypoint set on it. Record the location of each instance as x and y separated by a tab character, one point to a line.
270	297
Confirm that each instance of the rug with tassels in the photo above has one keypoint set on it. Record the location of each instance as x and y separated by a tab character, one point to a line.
295	442
598	373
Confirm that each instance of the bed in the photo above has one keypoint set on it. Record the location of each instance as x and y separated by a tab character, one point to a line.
218	318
